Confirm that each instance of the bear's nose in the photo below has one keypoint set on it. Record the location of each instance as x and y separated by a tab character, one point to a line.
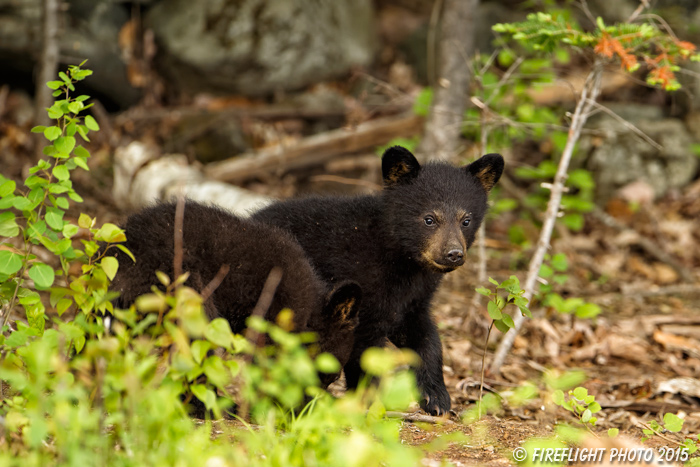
455	255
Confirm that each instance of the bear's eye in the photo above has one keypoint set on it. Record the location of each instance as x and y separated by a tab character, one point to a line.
466	222
429	220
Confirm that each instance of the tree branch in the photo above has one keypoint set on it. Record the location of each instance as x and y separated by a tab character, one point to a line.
586	103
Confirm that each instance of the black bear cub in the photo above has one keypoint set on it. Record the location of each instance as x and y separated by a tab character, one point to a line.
212	237
397	246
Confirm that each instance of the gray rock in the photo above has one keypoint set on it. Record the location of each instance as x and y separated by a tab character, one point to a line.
617	156
256	47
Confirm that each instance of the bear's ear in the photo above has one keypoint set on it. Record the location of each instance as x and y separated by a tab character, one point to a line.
487	170
399	166
343	301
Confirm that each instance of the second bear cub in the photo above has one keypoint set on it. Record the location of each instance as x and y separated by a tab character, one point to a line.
397	246
211	238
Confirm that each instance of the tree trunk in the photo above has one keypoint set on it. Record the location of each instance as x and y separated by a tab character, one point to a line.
451	87
48	64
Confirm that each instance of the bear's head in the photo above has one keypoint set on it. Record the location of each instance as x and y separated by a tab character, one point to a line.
433	212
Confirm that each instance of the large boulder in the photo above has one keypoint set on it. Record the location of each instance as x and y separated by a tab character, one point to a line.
617	156
257	47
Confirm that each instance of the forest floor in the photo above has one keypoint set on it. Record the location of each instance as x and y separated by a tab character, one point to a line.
640	356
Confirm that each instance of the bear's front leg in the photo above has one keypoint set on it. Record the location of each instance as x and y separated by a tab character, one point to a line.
418	332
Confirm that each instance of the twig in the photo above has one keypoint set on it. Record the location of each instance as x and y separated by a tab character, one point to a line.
583	109
177	239
266	296
483	365
418	417
215	282
643	4
647	245
630	126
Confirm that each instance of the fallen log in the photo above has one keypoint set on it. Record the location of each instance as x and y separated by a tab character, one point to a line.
314	149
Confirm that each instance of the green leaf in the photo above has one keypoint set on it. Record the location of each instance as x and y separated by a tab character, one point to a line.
494	281
586	416
42	275
421	106
587	311
91	123
558	397
75	107
560	262
110	265
7	188
85	221
69	230
61	172
580	393
483	291
63	305
8	224
83	131
62	203
81	152
508	321
54	84
127	252
64	77
52	132
80	162
501	326
10	262
218	331
54	218
199	350
64	144
494	311
109	233
327	363
545	271
205	395
163	278
594	407
613	432
673	422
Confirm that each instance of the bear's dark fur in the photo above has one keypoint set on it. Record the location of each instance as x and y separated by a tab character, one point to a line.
397	246
212	237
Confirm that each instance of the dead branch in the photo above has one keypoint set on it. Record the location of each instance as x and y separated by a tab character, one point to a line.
456	46
266	296
177	239
418	417
314	149
650	247
215	282
583	109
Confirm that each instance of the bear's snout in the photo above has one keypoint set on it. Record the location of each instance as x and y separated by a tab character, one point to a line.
455	256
